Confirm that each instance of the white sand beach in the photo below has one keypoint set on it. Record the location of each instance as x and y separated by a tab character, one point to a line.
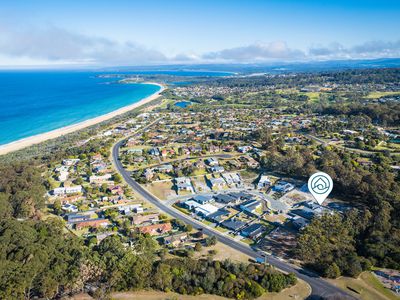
36	139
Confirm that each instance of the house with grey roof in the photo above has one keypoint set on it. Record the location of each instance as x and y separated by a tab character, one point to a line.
219	216
233	224
253	231
251	206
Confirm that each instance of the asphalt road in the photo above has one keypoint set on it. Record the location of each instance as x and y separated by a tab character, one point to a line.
320	287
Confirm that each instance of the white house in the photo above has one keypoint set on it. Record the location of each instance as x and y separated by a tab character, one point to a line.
62	176
232	178
67	190
251	206
69	208
70	161
217	182
205	209
263	182
212	161
283	187
183	184
99	178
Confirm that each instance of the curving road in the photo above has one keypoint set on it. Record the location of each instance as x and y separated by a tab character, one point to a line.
320	288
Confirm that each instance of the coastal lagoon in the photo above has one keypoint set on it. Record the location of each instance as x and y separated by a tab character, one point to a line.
183	104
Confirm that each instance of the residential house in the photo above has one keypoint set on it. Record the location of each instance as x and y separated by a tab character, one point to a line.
149	218
199	164
241	196
165	168
154	152
97	157
148	174
263	182
253	231
127	209
96	223
205	209
176	239
73	218
244	149
250	162
219	216
69	208
211	161
156	229
300	222
233	224
67	190
217	169
99	167
191	204
137	151
232	179
203	199
217	183
62	176
100	179
251	206
117	190
164	153
283	187
70	161
225	199
131	142
214	149
183	184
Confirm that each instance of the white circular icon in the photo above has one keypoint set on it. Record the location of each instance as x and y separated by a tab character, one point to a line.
320	185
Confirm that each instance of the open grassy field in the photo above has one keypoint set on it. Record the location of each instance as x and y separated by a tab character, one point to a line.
161	189
367	285
376	95
223	252
312	96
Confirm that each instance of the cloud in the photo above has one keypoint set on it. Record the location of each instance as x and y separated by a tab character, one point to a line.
257	52
371	49
56	44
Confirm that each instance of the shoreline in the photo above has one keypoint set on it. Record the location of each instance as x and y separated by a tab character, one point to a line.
41	137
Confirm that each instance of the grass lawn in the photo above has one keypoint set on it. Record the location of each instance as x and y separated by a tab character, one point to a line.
247	241
248	174
312	96
181	209
199	172
208	223
368	286
221	229
222	252
376	95
161	189
372	281
267	224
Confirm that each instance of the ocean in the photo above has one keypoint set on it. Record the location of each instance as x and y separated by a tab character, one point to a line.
34	102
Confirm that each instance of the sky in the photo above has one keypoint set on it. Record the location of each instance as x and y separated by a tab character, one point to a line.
130	32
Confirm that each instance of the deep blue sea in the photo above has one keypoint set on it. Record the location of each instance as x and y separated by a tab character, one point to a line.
33	102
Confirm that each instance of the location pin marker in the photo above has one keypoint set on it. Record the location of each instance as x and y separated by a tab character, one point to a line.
320	186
